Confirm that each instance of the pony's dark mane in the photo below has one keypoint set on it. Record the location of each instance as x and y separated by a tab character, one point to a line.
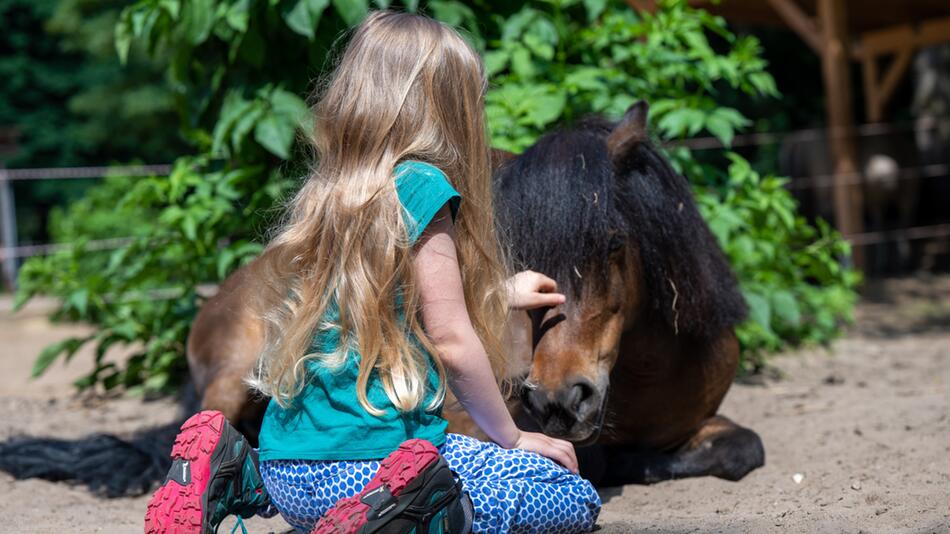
564	205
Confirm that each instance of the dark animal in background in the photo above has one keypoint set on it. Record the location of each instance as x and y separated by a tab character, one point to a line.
887	164
632	368
931	107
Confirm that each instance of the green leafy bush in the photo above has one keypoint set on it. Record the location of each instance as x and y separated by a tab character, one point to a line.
791	272
556	61
185	229
239	66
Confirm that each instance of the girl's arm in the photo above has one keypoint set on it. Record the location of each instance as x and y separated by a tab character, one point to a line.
448	325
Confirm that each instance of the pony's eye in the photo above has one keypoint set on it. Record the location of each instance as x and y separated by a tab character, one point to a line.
615	244
537	317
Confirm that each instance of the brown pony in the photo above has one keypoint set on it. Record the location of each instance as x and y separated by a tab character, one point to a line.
632	368
638	360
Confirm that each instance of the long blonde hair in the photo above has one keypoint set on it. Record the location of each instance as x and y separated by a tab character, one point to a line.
406	87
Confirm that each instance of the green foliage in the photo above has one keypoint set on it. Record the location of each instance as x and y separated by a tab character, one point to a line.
186	229
238	69
557	61
790	271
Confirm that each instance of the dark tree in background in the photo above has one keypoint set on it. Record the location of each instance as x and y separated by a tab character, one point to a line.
63	89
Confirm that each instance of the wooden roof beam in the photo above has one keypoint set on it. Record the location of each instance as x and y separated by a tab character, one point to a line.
805	26
897	38
877	93
901	41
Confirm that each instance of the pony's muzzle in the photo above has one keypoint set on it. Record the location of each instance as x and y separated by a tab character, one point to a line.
570	412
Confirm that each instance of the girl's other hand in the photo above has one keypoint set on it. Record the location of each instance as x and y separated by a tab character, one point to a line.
558	450
528	290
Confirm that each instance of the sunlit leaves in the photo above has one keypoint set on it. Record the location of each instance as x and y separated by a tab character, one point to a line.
305	16
351	11
723	123
681	122
197	19
237	15
272	115
275	134
674	122
204	221
289	105
517	112
594	8
790	271
65	348
605	66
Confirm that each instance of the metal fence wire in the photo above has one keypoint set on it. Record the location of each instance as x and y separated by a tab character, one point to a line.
11	252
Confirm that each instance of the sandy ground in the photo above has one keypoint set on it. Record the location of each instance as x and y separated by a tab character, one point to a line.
857	439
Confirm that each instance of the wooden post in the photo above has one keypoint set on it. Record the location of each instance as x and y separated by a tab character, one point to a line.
8	231
848	202
872	102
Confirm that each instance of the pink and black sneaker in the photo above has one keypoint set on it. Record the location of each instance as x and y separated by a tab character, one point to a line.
214	474
414	491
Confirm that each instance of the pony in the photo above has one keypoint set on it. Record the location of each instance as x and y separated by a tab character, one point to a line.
631	369
636	363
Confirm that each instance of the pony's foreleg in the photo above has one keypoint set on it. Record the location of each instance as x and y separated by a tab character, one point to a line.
228	394
226	339
720	448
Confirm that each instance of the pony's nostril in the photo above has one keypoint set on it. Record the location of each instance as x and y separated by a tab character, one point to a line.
534	399
577	394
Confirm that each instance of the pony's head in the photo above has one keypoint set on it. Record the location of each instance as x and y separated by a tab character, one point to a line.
599	209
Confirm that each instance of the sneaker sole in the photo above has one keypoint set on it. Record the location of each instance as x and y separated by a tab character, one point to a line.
178	509
396	471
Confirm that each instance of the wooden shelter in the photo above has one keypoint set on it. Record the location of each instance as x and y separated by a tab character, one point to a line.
882	35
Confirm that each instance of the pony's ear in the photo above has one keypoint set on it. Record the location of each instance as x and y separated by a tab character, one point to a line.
629	132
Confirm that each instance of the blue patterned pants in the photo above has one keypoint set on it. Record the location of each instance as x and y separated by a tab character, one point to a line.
512	490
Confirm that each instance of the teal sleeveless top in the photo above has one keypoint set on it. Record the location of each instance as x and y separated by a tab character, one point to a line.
326	421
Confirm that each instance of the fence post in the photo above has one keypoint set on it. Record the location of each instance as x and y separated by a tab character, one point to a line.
7	229
848	201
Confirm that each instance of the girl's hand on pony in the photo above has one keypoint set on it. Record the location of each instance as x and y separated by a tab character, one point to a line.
528	290
558	450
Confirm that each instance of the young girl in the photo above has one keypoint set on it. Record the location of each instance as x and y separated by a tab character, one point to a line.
394	291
